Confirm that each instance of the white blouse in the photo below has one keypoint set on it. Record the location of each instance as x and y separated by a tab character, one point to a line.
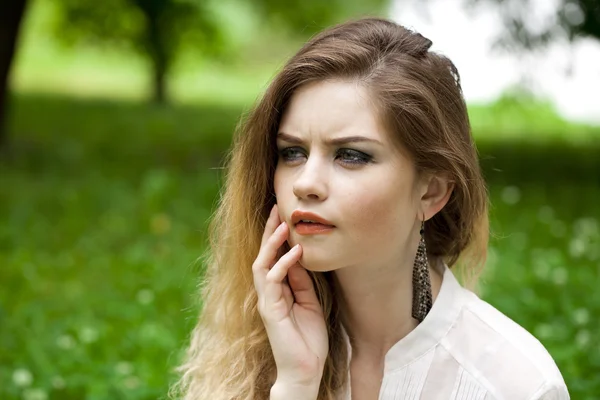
465	349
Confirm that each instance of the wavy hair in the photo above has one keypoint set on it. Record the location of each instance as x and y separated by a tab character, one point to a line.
418	94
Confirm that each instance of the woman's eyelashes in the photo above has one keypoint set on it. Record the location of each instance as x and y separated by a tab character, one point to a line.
353	156
291	154
345	156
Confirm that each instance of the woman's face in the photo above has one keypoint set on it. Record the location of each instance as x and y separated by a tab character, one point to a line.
337	161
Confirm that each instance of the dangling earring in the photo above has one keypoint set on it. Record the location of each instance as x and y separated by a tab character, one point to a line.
422	297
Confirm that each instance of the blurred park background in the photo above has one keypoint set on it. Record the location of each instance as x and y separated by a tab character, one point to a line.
116	117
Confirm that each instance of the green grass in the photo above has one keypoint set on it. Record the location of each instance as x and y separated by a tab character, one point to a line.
98	242
103	207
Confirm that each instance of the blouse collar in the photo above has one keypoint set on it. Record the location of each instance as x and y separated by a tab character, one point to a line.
430	331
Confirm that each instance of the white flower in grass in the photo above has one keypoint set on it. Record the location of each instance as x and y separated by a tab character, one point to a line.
546	214
88	334
541	268
22	377
583	338
131	382
58	382
543	331
124	368
581	316
586	227
145	296
577	247
560	275
65	342
511	195
35	394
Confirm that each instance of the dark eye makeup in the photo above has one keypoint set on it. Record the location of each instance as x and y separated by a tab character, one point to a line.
346	156
291	153
353	156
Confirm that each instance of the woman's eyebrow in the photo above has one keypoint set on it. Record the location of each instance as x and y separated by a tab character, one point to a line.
334	141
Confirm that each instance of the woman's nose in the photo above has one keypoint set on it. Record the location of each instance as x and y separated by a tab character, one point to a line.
311	181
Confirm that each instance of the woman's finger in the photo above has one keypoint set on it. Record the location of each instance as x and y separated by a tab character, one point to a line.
302	287
287	293
271	224
273	290
268	255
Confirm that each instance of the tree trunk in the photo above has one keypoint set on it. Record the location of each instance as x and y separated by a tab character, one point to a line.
158	56
11	14
159	81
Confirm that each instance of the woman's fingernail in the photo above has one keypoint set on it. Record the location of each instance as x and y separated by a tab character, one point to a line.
280	227
296	248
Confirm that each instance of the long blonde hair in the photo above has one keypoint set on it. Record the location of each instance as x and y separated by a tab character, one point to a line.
419	96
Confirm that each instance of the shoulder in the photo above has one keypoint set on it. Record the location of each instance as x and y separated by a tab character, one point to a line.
503	357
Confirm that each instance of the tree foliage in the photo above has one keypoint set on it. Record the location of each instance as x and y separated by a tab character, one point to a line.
158	28
154	28
571	19
309	16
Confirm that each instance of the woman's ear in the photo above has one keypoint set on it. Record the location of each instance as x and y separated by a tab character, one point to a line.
435	193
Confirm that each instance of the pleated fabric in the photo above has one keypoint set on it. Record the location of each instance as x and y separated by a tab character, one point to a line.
465	349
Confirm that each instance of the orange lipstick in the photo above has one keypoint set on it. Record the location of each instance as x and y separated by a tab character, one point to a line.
308	223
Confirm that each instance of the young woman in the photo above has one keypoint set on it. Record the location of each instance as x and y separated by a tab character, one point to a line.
353	189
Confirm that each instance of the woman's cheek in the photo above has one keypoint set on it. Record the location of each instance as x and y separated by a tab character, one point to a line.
370	210
380	217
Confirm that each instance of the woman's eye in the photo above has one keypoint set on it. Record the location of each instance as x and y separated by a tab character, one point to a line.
291	153
346	156
350	156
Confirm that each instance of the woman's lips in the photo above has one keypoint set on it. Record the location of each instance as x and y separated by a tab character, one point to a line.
312	228
310	223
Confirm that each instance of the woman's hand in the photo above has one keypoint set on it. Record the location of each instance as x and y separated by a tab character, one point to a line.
290	310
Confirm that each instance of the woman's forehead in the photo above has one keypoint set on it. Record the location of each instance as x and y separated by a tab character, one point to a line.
332	108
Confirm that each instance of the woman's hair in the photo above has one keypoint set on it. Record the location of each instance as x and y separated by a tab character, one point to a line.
419	98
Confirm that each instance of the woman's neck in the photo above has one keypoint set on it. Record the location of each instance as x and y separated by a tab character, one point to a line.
376	305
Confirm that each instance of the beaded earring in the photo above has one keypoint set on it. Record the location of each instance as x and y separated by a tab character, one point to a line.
422	297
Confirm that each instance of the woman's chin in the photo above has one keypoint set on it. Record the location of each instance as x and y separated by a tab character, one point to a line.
316	264
316	256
